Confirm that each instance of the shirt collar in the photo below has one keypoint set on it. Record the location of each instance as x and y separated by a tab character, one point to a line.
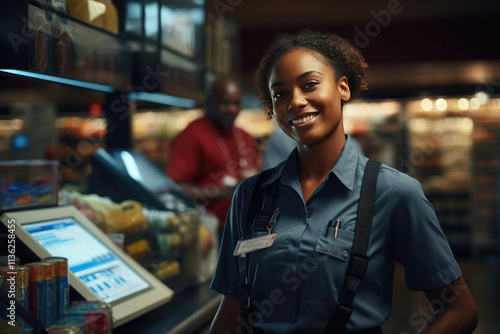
344	169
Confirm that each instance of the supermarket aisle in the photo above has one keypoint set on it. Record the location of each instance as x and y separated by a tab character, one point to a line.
410	308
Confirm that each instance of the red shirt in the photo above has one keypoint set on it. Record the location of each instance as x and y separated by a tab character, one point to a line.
204	154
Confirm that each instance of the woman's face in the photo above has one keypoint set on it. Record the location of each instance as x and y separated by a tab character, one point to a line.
306	97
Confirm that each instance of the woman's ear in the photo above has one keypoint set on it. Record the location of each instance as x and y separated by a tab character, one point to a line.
343	87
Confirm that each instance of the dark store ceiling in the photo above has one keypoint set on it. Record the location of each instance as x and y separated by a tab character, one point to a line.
413	47
418	47
285	14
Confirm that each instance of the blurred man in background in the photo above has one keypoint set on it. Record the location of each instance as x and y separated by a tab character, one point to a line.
211	156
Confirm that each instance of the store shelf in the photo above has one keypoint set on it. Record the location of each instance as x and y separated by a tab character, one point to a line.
440	142
50	42
485	185
153	71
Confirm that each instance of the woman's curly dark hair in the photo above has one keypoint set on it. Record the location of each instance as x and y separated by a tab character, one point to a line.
340	53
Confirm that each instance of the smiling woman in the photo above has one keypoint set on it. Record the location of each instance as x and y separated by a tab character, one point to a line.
306	98
306	279
337	52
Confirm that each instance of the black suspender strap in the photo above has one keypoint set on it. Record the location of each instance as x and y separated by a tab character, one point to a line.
359	260
259	195
264	195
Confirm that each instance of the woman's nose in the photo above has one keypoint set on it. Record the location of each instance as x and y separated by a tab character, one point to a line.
297	101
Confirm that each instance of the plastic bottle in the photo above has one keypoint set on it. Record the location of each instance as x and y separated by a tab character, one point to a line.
127	217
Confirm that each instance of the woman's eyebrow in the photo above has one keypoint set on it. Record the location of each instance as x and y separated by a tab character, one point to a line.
281	83
307	73
277	83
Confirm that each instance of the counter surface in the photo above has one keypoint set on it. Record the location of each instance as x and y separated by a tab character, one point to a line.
187	312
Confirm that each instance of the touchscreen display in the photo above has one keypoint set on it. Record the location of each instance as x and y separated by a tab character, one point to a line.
89	259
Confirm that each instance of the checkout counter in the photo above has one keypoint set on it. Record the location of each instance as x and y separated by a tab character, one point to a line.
179	241
194	304
186	313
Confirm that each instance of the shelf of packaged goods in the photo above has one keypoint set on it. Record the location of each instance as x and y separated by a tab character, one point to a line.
485	187
48	42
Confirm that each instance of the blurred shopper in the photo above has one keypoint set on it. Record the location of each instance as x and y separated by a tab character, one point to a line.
211	156
297	281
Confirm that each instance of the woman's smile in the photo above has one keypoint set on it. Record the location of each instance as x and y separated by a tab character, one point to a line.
303	119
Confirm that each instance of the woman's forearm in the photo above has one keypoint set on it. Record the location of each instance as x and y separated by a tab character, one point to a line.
455	310
227	318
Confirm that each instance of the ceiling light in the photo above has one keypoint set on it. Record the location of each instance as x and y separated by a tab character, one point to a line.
426	104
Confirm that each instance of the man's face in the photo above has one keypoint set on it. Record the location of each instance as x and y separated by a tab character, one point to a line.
225	103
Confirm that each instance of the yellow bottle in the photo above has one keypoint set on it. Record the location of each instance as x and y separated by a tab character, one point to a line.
110	17
127	217
101	13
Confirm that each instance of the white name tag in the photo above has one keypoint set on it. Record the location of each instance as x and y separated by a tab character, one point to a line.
251	245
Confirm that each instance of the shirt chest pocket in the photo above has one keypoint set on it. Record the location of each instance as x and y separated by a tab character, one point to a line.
339	247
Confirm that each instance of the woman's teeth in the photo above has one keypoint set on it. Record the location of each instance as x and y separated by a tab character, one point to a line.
303	119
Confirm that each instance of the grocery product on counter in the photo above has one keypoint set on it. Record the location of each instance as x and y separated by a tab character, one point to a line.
166	269
179	246
97	315
208	246
6	260
138	249
28	183
168	243
126	217
24	193
65	329
14	280
42	291
5	328
161	219
61	277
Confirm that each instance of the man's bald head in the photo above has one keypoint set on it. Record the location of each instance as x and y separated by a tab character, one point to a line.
224	102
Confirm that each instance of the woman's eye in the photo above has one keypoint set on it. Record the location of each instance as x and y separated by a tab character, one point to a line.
278	95
311	84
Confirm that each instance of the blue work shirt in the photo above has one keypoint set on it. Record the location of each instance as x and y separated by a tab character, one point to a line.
295	283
